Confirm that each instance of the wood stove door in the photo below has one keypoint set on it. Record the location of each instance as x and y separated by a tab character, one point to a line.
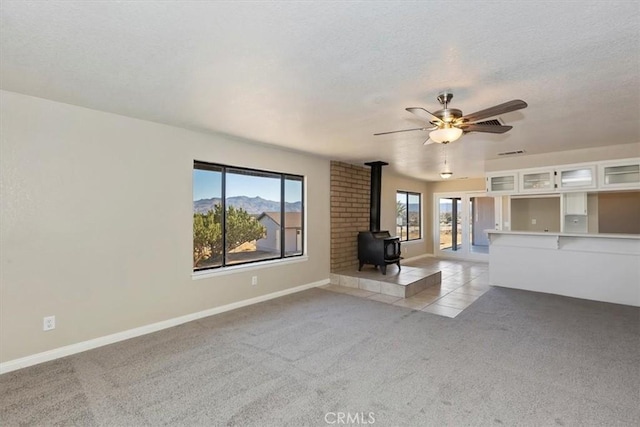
392	249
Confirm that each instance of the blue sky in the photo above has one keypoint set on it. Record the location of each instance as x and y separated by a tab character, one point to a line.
206	185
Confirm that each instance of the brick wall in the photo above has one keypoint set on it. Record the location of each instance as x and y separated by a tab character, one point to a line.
350	186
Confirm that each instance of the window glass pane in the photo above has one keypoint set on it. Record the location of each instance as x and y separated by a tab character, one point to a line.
446	220
252	222
207	236
252	216
293	223
401	215
414	216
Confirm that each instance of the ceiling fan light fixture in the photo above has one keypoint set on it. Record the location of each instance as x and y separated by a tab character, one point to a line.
446	175
446	134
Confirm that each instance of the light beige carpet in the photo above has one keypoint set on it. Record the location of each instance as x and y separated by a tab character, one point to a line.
511	358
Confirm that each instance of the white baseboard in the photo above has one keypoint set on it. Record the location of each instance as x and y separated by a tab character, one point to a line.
417	257
68	350
464	258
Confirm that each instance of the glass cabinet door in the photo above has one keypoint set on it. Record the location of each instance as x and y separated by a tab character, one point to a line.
502	184
577	178
620	175
537	181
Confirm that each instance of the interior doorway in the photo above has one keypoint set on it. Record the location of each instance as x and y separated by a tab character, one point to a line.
461	221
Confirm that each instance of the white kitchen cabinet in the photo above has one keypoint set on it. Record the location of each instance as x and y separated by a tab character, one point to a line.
537	181
575	203
576	178
575	213
619	174
502	183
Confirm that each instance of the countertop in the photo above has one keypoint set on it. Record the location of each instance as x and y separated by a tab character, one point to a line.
557	234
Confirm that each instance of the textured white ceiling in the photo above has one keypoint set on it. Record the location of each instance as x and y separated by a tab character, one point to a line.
322	77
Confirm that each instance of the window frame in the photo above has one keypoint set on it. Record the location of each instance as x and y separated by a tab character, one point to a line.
283	176
406	195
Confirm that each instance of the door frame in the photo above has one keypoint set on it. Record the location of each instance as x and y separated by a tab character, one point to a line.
464	252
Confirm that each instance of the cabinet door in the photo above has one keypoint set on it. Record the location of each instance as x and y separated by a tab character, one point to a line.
505	184
620	174
537	181
575	204
577	178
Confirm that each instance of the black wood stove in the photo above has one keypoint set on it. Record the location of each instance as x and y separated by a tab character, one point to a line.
375	246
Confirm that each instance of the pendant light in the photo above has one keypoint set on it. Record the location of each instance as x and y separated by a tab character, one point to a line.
446	173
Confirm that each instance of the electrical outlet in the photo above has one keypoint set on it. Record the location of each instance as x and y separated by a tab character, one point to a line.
534	221
254	280
49	323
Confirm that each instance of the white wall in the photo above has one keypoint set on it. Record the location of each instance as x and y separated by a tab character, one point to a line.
96	223
611	152
391	183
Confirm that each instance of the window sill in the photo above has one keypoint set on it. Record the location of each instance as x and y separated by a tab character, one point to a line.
222	271
405	242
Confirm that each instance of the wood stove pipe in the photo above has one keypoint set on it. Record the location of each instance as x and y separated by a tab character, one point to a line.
375	195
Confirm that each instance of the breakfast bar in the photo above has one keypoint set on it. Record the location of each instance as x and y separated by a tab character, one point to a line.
600	267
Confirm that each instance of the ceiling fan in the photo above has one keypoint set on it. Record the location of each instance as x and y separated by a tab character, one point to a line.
448	124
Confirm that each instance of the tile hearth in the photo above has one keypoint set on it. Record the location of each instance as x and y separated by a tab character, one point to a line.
439	286
402	283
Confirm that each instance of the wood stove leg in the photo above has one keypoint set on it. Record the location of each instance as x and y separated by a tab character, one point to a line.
384	269
398	264
360	264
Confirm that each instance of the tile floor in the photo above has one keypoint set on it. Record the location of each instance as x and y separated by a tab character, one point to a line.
463	282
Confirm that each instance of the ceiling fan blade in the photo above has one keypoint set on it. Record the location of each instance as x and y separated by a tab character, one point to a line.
496	110
423	114
396	131
485	128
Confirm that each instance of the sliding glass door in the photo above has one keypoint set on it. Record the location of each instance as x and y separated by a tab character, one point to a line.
461	221
450	223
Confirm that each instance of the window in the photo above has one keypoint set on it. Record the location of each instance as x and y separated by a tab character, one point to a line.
260	212
408	215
